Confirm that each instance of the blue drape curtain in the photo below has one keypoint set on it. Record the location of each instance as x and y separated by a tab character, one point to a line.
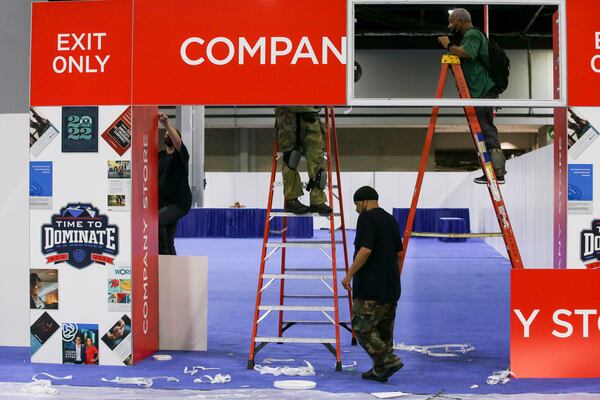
238	223
427	219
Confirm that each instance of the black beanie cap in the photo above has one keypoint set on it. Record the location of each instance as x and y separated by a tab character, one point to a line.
365	193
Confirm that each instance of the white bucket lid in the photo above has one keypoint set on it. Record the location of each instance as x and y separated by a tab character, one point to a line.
295	385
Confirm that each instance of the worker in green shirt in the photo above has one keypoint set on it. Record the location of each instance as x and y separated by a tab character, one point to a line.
299	132
475	61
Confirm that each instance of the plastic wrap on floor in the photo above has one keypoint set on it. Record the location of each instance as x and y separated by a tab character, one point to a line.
14	390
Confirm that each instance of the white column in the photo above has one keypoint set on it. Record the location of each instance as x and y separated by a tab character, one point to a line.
191	120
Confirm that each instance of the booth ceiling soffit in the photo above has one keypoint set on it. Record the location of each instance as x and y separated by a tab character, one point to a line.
395	26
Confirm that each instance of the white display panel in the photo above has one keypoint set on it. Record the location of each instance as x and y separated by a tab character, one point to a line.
14	237
94	300
583	245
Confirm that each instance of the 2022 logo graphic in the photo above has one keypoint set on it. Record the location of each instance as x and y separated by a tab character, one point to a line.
80	236
590	245
79	129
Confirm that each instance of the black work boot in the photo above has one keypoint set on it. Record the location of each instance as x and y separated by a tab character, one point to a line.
322	209
482	180
295	206
499	163
370	375
392	369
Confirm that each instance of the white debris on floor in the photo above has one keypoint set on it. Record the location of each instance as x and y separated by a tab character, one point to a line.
139	381
306	370
218	378
499	377
437	350
10	390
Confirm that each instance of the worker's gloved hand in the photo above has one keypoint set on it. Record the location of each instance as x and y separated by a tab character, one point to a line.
444	41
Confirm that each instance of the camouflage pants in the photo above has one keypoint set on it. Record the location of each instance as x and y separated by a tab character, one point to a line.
311	143
373	325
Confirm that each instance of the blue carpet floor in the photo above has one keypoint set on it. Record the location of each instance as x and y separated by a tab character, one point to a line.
451	293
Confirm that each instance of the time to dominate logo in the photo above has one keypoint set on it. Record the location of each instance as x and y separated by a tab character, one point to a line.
590	245
80	236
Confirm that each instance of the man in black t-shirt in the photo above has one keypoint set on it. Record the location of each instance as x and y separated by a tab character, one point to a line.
375	276
174	194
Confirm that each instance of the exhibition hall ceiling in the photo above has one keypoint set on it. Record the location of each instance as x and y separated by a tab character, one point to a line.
395	26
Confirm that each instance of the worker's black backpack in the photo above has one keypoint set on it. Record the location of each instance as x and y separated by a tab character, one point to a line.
499	67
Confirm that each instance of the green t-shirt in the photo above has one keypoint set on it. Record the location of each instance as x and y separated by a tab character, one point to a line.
474	68
302	109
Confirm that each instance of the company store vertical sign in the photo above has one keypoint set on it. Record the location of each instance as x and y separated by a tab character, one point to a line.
240	52
94	248
145	231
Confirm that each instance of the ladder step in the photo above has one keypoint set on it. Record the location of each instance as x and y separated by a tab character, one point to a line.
456	235
292	340
289	214
296	276
280	183
313	296
314	322
315	269
313	244
296	308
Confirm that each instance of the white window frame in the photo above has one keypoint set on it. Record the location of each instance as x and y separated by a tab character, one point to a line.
445	102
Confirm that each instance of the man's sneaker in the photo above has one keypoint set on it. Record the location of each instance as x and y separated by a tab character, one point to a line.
295	206
391	370
370	375
482	180
322	209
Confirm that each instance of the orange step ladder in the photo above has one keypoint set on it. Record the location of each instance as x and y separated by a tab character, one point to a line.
328	277
453	62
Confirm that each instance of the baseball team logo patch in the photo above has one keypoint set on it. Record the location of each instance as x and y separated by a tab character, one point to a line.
79	235
590	245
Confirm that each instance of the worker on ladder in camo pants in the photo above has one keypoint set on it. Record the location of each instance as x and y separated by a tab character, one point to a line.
299	131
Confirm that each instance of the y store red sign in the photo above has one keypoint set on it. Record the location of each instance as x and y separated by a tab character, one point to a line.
191	52
583	48
555	323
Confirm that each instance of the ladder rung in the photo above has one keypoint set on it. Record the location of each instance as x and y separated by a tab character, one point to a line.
314	322
289	214
296	308
292	340
313	296
296	276
313	244
315	269
456	235
280	183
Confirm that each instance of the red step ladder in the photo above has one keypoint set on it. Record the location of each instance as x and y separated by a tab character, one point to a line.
328	276
453	62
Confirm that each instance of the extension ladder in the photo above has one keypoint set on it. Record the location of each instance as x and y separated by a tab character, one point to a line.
453	62
327	277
